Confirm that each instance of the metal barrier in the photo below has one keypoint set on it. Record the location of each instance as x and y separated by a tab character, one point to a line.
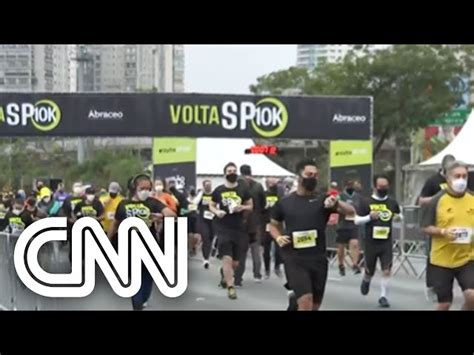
13	293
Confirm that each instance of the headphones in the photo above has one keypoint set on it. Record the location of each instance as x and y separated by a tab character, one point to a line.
132	182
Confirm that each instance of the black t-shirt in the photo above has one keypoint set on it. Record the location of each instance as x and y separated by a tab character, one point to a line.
305	219
380	230
143	210
433	185
84	209
271	198
227	197
69	205
17	224
353	200
203	207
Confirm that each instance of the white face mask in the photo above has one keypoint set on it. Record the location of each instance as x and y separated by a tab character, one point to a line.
459	185
47	199
159	188
16	211
143	195
90	198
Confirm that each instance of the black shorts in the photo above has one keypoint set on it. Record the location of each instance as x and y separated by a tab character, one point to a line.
442	280
345	235
232	243
380	250
192	223
306	274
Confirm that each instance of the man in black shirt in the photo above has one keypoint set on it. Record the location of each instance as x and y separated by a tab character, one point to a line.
254	224
16	219
377	213
229	201
90	206
432	186
151	211
302	240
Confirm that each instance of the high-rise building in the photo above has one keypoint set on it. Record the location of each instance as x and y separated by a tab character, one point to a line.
311	55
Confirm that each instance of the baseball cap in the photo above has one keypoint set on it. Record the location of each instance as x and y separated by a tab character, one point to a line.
114	187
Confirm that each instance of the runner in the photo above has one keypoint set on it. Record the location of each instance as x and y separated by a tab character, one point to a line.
16	220
305	214
432	186
228	202
206	221
377	213
30	208
272	196
348	232
449	221
161	193
110	203
151	211
253	221
90	206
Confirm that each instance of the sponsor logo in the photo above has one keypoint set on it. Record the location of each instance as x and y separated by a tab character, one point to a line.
338	118
268	117
44	115
105	115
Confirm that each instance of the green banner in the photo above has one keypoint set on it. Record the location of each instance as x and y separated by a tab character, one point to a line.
350	153
174	150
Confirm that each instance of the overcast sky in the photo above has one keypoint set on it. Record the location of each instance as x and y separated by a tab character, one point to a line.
232	68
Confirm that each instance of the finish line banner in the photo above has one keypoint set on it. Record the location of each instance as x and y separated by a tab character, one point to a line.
185	115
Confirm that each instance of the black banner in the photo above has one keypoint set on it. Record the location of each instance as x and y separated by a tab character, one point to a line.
185	115
184	174
362	173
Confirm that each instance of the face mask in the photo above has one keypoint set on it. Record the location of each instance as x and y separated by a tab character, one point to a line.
382	192
143	195
350	190
113	194
90	198
77	190
159	188
231	178
309	183
459	185
17	211
46	199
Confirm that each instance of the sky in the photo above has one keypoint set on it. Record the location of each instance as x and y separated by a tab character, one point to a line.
232	69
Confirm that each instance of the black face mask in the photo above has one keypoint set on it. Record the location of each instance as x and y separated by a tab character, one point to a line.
309	183
273	189
113	194
231	178
382	192
350	190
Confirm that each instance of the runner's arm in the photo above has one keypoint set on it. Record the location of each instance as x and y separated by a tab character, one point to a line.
113	229
213	207
345	209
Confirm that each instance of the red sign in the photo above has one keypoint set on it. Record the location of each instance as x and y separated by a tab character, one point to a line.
262	149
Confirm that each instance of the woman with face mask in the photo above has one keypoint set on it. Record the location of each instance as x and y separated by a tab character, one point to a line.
162	195
151	211
16	219
90	206
45	200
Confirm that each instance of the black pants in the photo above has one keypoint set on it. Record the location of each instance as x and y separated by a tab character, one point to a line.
267	242
206	229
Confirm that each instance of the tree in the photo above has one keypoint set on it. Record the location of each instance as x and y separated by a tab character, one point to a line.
411	84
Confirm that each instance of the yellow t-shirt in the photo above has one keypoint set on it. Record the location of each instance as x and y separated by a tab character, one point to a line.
446	211
110	206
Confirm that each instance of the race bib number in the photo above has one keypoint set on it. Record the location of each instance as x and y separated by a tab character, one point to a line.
111	215
208	215
305	239
381	232
463	236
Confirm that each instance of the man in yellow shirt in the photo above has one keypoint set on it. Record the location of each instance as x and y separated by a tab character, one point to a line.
110	202
449	220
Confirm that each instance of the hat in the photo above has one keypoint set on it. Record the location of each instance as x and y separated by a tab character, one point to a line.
90	191
44	192
114	187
